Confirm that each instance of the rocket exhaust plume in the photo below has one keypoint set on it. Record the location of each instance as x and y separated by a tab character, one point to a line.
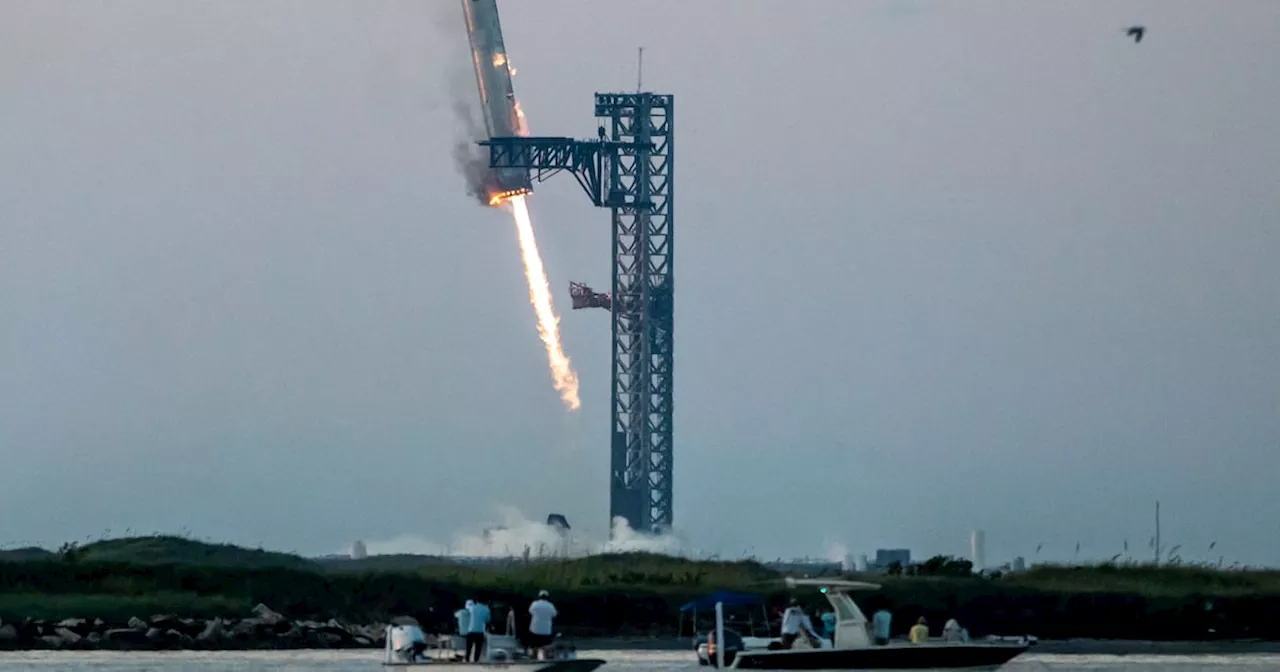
503	118
563	377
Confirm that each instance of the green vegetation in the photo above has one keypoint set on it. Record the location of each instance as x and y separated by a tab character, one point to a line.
25	554
1149	581
625	594
166	550
117	608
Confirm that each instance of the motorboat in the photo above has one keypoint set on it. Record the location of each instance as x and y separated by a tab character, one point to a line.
750	632
851	647
702	645
407	646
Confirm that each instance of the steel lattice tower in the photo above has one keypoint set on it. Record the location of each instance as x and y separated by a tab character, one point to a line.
640	201
628	170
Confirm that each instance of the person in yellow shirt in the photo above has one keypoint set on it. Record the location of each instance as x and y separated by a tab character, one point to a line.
920	632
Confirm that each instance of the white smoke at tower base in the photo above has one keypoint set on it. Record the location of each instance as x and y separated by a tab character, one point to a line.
518	535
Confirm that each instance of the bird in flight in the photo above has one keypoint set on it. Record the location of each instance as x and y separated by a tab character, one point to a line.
1136	33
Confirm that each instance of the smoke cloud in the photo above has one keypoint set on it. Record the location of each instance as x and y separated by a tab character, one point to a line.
836	552
627	540
518	535
469	159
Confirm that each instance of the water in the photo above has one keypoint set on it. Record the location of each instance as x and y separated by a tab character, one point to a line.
619	661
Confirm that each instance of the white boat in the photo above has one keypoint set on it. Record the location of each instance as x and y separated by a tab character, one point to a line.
702	649
406	646
852	648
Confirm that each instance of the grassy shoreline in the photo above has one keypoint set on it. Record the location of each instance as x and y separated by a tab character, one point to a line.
629	595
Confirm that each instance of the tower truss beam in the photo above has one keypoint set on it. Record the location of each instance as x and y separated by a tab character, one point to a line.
547	156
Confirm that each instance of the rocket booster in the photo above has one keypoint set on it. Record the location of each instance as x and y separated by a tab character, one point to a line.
497	97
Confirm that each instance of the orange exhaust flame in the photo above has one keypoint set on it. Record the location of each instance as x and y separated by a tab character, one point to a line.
497	198
522	126
563	377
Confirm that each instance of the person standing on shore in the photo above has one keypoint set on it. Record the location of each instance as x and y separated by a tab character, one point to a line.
475	634
542	616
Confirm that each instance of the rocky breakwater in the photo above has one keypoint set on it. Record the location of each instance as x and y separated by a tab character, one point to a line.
266	629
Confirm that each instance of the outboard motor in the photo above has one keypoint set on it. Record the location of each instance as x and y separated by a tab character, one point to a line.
732	645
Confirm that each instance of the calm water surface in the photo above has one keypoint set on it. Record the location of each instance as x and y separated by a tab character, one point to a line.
619	661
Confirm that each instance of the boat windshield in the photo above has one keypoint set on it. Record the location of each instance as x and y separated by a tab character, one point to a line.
842	604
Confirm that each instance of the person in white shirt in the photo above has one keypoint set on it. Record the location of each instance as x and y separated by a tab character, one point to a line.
952	632
409	642
479	623
794	621
542	616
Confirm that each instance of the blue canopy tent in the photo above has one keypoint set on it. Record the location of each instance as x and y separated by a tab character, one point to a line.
730	600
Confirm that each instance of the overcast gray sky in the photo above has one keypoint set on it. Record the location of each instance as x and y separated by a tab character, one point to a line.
940	266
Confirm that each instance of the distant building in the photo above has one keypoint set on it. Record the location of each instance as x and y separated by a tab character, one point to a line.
1019	564
978	550
886	557
358	551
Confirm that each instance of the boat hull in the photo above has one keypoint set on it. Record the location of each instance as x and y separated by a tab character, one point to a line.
579	665
892	657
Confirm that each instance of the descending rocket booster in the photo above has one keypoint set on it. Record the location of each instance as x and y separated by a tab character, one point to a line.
502	115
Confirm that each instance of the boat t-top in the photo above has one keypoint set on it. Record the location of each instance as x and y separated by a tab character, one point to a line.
851	647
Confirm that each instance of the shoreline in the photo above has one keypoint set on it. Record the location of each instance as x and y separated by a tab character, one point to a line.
630	598
267	629
1124	647
325	636
1111	647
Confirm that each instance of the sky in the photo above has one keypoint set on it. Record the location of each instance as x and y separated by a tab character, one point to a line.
941	266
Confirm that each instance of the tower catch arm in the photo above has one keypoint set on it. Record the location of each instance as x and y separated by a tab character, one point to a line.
546	156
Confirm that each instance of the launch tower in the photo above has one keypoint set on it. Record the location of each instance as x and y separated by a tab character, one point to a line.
627	169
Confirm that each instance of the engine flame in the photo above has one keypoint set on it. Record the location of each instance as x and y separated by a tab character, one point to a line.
563	377
522	126
499	197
